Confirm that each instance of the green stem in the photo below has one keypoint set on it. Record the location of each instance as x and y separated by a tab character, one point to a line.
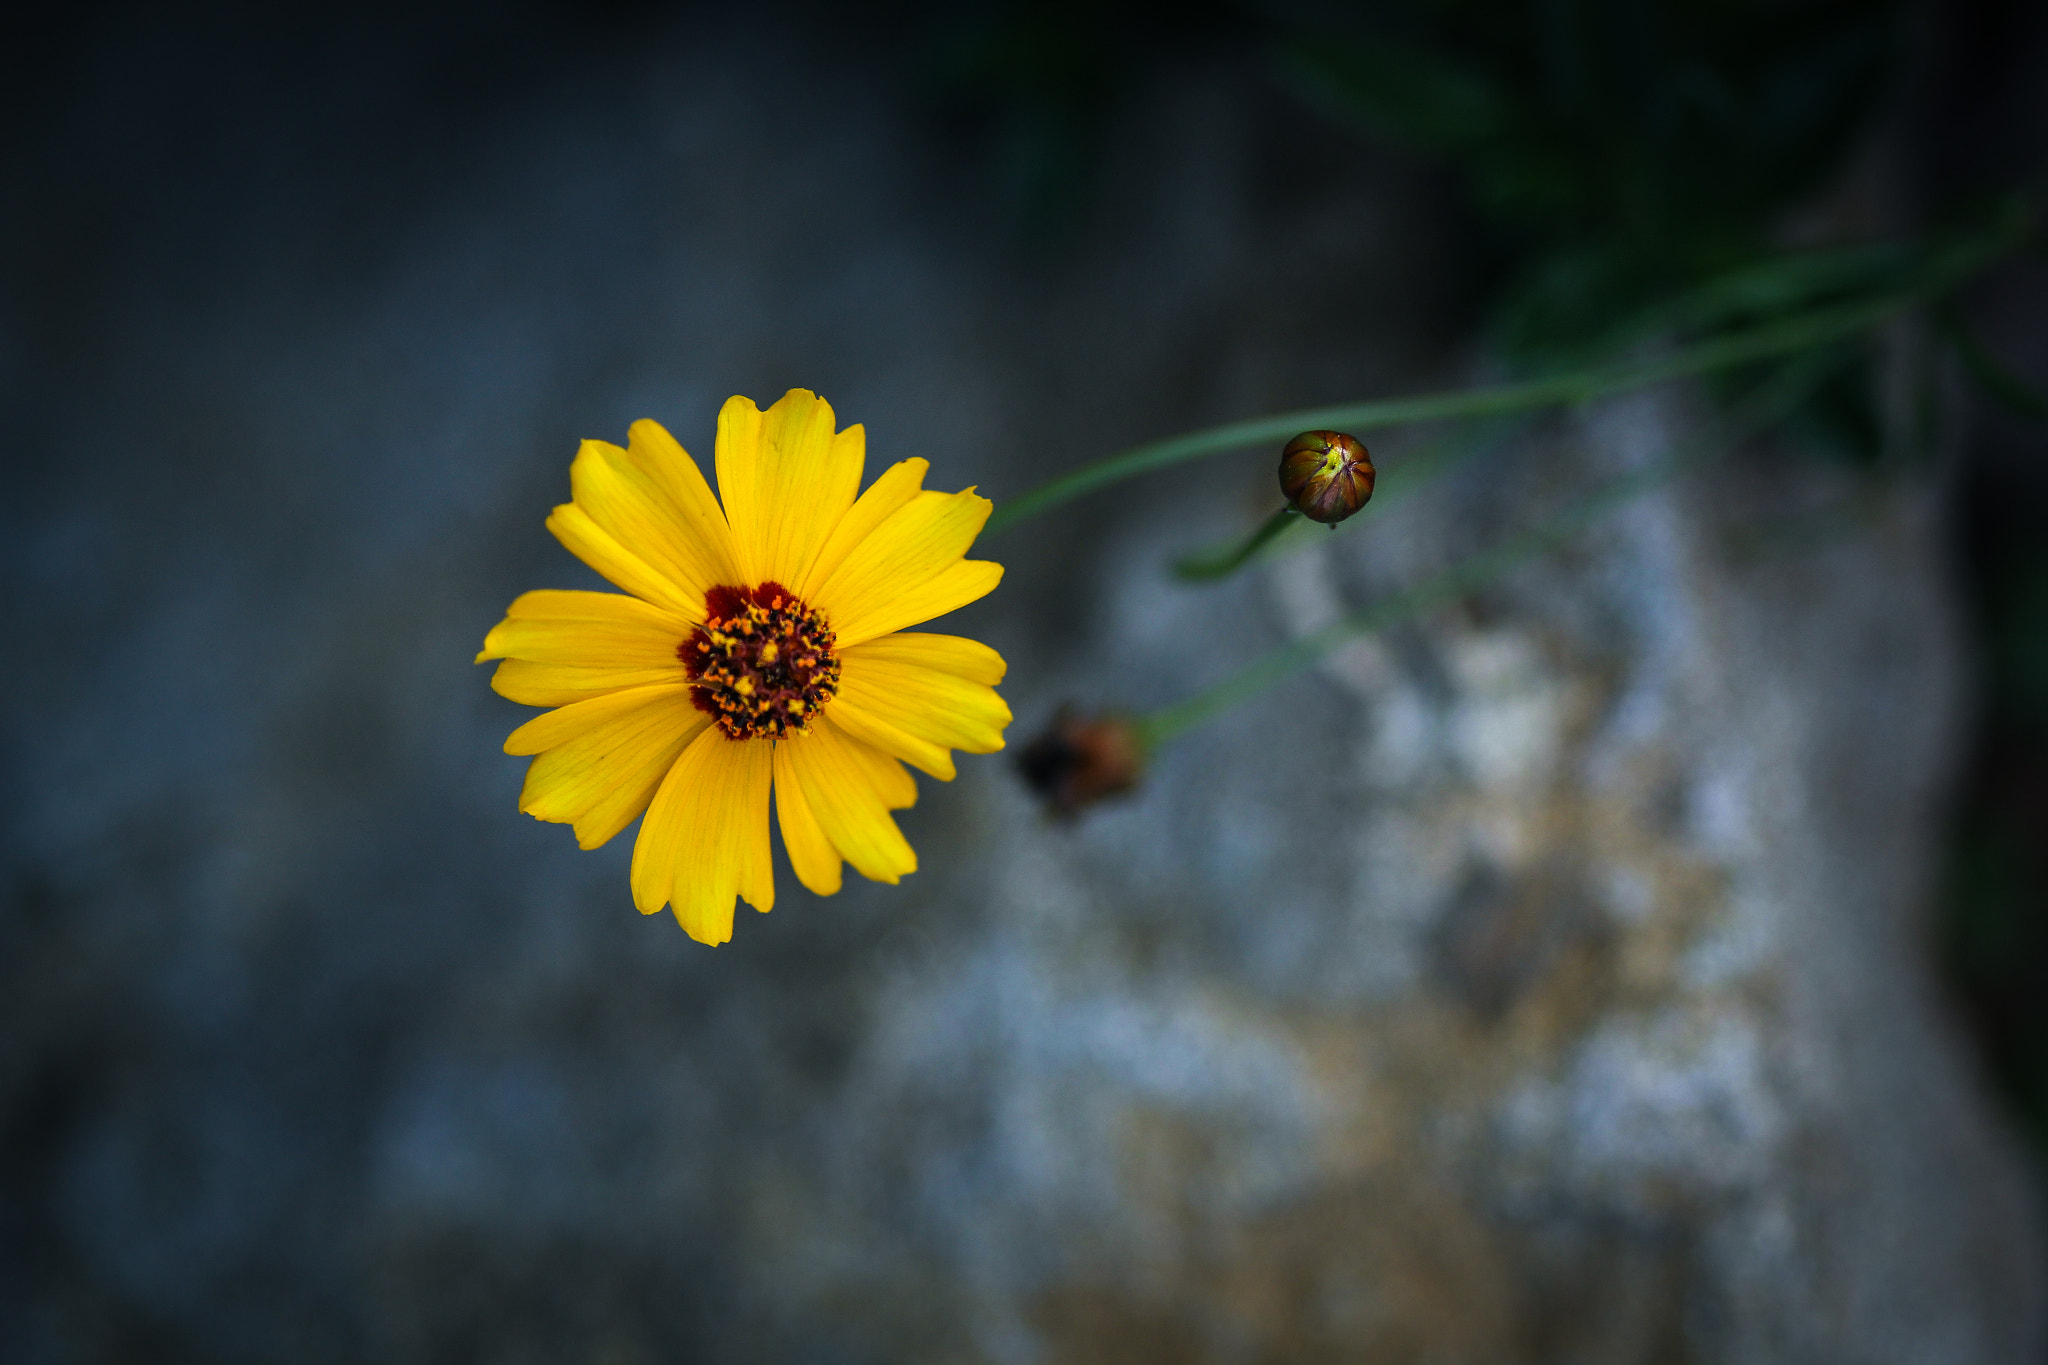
1769	403
1202	568
1399	479
1984	367
1945	269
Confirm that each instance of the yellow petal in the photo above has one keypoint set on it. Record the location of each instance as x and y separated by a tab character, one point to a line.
787	487
598	548
848	787
597	608
890	780
561	647
892	699
565	723
737	454
871	728
689	548
899	483
537	684
705	838
954	654
604	775
590	630
811	855
658	455
909	568
968	580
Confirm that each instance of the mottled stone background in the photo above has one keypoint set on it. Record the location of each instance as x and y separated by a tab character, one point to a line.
1547	980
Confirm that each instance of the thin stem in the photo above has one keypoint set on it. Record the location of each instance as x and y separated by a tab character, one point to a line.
1577	386
1397	480
1945	269
1984	367
1201	568
1769	403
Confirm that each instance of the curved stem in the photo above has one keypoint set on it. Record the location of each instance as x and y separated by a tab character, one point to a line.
1398	478
1202	568
1772	401
1984	367
1944	270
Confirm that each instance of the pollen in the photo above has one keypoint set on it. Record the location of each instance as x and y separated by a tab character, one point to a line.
762	664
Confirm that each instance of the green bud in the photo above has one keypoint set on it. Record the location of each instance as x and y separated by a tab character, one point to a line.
1326	475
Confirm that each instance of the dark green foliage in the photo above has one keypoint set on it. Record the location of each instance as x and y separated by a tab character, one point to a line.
1650	173
1622	151
1991	377
1841	418
1636	165
1037	79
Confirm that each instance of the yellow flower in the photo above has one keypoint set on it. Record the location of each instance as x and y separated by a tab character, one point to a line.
761	648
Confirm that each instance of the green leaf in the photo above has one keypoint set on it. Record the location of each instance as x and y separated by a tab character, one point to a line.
1407	92
1992	377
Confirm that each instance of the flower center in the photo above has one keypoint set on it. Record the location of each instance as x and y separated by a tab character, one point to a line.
762	662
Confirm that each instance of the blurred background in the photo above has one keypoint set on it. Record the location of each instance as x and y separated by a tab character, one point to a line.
1642	958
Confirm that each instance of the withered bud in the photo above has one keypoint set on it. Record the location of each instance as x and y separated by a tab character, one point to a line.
1326	475
1079	760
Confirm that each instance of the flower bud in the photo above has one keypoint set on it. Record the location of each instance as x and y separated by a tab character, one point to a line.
1078	761
1326	475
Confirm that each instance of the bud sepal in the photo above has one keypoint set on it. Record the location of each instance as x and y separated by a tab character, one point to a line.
1326	475
1078	760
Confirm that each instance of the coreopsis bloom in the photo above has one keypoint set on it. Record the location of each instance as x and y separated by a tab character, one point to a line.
762	648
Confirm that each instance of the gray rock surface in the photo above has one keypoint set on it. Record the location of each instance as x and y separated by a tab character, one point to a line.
1540	981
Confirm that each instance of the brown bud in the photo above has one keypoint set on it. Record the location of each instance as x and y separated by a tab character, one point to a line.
1078	761
1326	475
